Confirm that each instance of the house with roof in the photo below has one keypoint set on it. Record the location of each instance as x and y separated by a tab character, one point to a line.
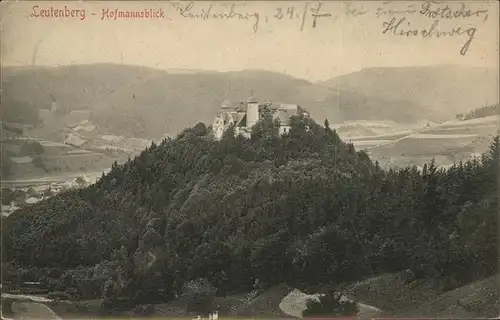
245	114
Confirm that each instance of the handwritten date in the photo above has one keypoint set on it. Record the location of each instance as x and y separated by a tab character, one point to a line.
291	13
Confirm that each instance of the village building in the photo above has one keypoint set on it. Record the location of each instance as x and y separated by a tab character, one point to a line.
245	114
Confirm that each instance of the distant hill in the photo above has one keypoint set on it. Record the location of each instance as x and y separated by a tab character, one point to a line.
146	102
444	91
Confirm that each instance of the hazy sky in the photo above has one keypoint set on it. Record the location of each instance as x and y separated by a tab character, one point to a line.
339	44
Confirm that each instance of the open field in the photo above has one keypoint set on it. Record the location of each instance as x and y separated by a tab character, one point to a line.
381	137
64	147
426	146
447	143
43	180
479	130
480	299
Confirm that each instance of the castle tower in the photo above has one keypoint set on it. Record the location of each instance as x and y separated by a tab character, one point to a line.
252	111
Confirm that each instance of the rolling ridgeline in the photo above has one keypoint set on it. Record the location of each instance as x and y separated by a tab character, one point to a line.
301	209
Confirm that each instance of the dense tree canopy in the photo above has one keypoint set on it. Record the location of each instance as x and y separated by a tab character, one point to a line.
301	208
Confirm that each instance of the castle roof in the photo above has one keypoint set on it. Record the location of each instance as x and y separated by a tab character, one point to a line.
236	112
239	119
226	104
283	117
288	106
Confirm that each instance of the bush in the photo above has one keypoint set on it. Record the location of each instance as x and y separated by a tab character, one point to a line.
200	129
201	303
7	307
33	193
6	310
38	163
59	295
332	304
48	192
116	305
143	310
80	181
7	196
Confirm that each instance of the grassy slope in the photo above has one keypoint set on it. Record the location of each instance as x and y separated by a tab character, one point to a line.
176	308
387	292
266	304
480	299
449	142
72	309
33	310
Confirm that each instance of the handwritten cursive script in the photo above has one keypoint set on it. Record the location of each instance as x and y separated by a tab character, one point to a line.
394	26
436	11
397	17
433	10
351	10
189	11
384	10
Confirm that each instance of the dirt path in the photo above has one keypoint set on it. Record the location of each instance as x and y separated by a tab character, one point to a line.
25	296
33	310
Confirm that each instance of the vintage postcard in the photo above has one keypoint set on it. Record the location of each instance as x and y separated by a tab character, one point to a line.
258	159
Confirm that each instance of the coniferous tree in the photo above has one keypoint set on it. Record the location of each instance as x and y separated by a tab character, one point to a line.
302	207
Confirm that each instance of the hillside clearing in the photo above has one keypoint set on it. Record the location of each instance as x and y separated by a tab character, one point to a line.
265	305
390	293
32	310
480	299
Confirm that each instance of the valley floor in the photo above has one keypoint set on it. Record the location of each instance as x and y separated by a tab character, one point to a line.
47	180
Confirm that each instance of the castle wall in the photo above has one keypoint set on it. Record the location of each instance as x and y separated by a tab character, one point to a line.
218	128
284	129
226	118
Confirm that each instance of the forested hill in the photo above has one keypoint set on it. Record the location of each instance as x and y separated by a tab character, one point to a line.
303	208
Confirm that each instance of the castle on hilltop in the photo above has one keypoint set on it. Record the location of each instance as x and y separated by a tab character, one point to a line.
245	114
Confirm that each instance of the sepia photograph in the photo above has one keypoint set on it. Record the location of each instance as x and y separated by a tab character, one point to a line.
206	160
